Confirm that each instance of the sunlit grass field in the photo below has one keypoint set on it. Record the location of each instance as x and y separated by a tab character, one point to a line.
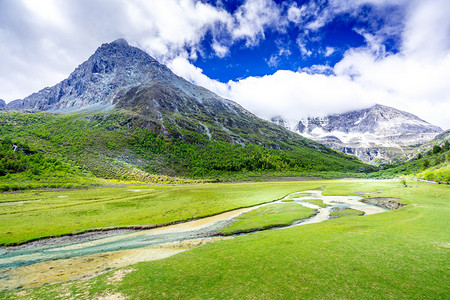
31	215
269	216
399	254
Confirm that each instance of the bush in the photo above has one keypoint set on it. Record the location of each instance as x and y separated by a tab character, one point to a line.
436	149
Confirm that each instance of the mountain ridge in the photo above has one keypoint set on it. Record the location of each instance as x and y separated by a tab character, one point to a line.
377	134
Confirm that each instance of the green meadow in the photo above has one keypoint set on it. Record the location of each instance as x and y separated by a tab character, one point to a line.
31	215
398	254
269	216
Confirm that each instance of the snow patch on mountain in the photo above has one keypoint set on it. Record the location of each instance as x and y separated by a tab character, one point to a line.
376	134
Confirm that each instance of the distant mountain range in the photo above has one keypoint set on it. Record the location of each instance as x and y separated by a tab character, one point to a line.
377	134
123	108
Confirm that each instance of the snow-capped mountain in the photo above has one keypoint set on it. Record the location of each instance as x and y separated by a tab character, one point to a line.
376	134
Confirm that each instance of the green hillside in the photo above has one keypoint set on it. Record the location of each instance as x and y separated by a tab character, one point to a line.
23	168
119	145
432	163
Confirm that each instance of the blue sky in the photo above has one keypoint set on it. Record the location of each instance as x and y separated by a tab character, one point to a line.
279	47
289	58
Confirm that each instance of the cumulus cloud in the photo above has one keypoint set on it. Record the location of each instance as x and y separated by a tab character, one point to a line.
329	51
253	17
45	40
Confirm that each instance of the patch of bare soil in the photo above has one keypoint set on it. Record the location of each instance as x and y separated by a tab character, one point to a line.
386	202
119	275
115	296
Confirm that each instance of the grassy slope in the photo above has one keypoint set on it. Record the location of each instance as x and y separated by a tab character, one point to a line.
267	217
118	145
431	166
81	210
396	254
22	168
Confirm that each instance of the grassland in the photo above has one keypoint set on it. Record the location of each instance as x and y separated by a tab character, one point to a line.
317	202
269	216
399	254
32	215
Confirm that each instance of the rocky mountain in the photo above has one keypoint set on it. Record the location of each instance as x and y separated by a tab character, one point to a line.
280	121
120	76
2	103
137	114
375	135
111	71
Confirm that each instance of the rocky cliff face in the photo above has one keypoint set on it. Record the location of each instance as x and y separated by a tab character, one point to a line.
376	134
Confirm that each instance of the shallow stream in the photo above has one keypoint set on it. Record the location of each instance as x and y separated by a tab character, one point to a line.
87	255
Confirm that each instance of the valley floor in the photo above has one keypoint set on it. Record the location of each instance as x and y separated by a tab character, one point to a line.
402	253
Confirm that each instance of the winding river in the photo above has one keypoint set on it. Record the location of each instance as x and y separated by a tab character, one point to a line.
87	255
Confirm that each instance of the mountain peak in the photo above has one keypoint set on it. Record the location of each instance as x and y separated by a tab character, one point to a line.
120	41
366	132
112	70
119	50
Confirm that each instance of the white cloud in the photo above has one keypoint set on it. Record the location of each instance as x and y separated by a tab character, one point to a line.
301	43
295	14
220	50
182	67
427	31
318	69
253	17
329	51
273	61
45	40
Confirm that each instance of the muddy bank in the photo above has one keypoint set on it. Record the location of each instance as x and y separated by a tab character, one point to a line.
386	202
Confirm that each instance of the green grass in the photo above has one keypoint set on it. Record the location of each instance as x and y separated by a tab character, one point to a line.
273	215
398	254
64	212
341	212
317	202
433	164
